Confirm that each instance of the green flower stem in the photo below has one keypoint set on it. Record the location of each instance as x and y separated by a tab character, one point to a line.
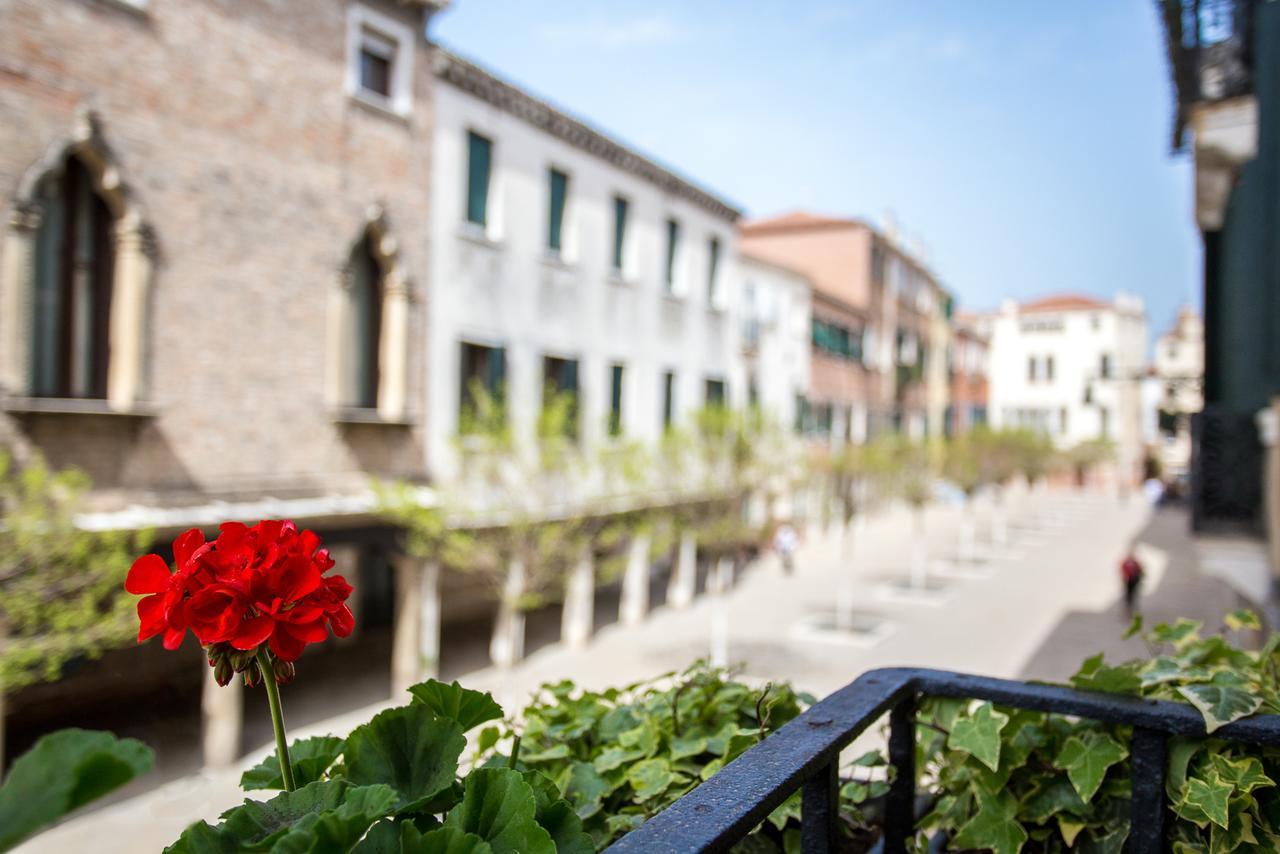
277	718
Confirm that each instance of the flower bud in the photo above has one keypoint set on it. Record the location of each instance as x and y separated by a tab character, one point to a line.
284	671
252	675
223	671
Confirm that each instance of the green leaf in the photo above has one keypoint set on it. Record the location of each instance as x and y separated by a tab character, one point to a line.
978	734
1243	618
499	807
389	837
585	788
1053	795
1210	795
469	708
309	757
409	749
1094	675
557	751
1086	758
1244	774
260	823
62	771
338	829
1070	827
1135	627
1180	634
450	840
994	826
650	778
786	812
680	748
557	818
1224	699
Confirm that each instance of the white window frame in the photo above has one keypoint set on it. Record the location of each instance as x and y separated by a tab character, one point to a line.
362	20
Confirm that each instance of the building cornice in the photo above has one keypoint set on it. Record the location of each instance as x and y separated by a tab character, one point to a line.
474	80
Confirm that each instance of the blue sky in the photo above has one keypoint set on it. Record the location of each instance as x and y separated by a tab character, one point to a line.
1024	142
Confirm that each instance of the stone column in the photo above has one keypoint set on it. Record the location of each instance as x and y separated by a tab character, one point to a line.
222	713
719	584
1269	433
635	582
131	287
578	617
506	647
394	350
17	283
684	576
404	640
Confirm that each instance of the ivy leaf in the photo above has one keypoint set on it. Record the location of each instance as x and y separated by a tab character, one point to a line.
62	771
409	749
1224	699
1094	675
1209	794
1053	796
681	747
1070	827
994	826
469	708
650	778
1244	774
1135	627
978	734
1086	758
1243	618
1180	634
309	757
787	811
557	751
499	807
1163	669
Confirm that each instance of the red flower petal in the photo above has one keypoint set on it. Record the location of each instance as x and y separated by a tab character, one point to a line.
151	620
342	621
186	545
285	645
253	632
173	638
149	574
307	632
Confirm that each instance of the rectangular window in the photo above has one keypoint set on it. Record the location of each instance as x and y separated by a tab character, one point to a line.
560	394
1104	423
479	164
715	393
558	191
1062	420
713	266
377	54
619	232
1104	367
1031	369
483	388
673	238
668	398
1048	368
615	400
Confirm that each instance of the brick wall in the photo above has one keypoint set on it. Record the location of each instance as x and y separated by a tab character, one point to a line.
255	169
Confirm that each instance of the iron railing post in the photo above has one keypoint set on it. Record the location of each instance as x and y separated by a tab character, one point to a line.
819	810
1147	806
900	808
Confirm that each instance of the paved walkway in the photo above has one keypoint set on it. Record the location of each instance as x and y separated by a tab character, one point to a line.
1037	613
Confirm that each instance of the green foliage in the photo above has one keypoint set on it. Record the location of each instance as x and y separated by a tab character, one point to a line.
62	591
903	465
622	755
61	772
392	787
1007	778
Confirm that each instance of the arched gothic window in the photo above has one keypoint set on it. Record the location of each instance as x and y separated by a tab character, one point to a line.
362	335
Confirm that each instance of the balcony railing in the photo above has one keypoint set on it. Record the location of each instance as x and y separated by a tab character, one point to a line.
1210	52
804	755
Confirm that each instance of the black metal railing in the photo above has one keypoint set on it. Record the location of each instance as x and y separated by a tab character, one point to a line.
805	753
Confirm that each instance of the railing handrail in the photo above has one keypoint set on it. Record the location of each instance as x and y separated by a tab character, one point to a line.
803	755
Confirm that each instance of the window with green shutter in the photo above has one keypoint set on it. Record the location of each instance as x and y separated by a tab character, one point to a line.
668	398
558	190
615	400
713	265
619	232
673	237
479	164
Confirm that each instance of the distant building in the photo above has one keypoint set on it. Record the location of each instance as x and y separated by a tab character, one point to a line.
1071	366
1178	370
967	363
563	261
1223	58
777	311
879	326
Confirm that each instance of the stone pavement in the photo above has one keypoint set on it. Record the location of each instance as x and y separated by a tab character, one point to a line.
1035	614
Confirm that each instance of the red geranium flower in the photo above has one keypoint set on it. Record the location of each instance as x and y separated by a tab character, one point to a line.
250	586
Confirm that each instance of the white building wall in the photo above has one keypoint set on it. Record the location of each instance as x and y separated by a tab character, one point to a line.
1076	339
777	312
503	289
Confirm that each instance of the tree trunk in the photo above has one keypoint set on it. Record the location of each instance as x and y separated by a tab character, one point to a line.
578	618
844	588
721	582
919	553
968	531
415	653
222	713
635	582
684	578
506	648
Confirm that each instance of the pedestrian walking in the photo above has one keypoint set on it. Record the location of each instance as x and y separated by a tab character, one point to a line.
785	541
1131	575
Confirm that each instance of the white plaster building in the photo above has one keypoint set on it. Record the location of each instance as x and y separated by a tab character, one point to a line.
562	259
1179	377
776	311
1071	366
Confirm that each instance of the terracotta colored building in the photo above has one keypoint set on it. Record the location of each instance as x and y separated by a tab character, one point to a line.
967	376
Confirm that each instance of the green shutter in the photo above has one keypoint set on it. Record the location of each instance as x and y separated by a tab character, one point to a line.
559	188
713	263
615	401
479	154
619	230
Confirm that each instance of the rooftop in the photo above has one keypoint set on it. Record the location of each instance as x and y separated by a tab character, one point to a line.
1063	302
797	221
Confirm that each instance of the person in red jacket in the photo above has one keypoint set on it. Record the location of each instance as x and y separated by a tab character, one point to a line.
1131	574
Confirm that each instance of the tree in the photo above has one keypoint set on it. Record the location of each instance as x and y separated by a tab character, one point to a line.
904	465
